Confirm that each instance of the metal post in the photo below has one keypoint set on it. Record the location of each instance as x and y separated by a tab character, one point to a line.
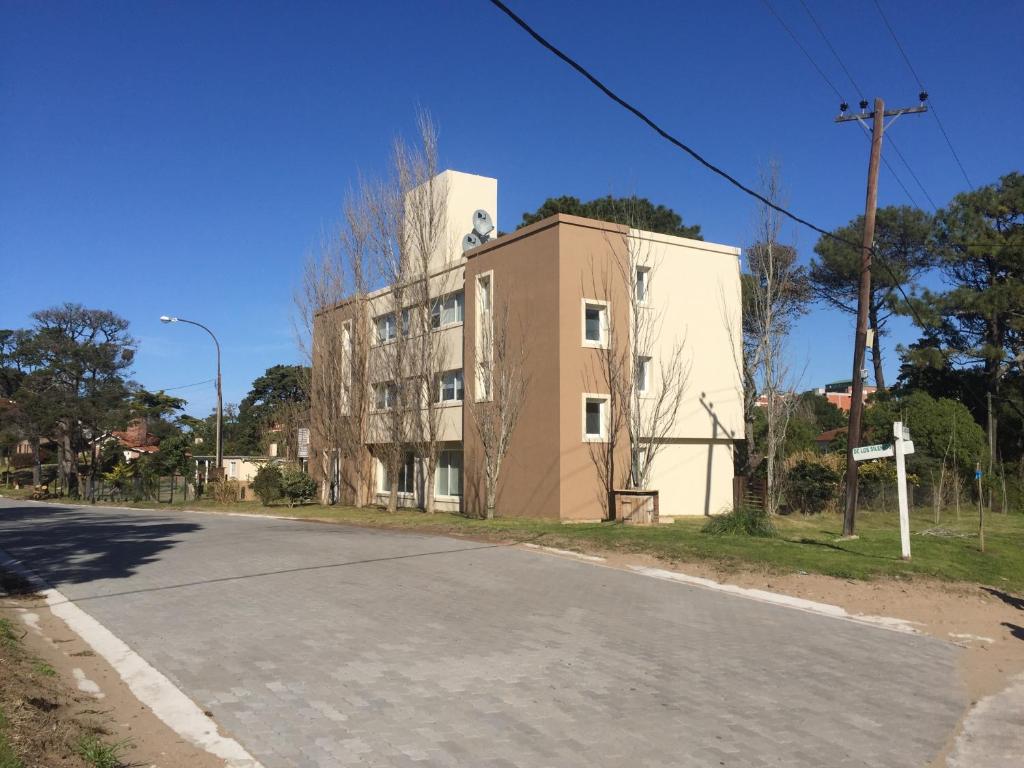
901	489
219	448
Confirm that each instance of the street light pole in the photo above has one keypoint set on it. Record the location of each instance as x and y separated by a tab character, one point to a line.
220	415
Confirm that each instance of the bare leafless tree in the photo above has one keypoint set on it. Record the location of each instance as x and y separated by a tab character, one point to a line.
500	384
331	304
410	249
657	367
776	291
642	367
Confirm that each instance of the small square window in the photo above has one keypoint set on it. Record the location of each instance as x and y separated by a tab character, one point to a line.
595	324
447	310
594	417
385	395
385	328
450	387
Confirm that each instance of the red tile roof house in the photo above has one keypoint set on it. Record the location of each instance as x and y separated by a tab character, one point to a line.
135	441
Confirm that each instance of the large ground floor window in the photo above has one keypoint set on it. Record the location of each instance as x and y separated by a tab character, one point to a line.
449	473
406	475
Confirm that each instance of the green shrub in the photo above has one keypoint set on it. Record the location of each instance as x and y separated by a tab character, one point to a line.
267	484
297	486
811	486
744	520
99	754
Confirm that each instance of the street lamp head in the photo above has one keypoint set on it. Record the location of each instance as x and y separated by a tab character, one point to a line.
168	319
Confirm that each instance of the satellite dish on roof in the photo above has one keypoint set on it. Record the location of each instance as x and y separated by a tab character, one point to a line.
482	223
470	241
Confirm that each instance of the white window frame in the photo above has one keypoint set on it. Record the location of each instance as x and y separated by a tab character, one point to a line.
347	347
390	400
484	357
438	304
447	469
458	387
604	308
643	278
643	375
603	399
389	323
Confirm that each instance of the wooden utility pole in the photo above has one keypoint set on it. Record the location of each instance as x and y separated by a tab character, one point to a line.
864	294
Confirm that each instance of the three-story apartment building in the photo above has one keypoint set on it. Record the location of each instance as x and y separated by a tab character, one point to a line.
568	291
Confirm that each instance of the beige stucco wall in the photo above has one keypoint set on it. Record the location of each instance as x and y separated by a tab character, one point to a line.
693	478
695	294
464	193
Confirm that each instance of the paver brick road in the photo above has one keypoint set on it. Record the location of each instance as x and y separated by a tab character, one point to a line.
321	645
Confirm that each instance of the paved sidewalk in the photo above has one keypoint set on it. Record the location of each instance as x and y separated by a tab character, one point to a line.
320	645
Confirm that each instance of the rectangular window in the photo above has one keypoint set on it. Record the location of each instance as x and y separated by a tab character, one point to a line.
385	327
447	310
346	364
643	283
449	473
449	387
406	475
643	373
595	417
385	395
484	336
406	321
595	323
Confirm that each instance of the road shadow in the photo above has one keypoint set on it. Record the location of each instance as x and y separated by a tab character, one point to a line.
73	545
1006	597
837	548
1015	629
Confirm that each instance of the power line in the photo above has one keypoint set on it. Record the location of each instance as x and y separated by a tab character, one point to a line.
186	386
832	85
693	153
913	176
860	93
835	53
920	85
653	125
799	45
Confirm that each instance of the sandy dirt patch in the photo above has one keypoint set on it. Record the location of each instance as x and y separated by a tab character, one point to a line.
49	714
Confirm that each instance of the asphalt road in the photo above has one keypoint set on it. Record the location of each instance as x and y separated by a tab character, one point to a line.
322	645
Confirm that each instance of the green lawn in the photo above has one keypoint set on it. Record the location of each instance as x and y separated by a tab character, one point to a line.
809	544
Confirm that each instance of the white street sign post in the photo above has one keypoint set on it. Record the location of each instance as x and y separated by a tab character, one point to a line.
900	447
901	435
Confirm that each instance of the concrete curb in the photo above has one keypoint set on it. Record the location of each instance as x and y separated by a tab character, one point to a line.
151	687
776	598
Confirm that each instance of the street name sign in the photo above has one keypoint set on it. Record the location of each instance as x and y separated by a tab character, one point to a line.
880	451
899	447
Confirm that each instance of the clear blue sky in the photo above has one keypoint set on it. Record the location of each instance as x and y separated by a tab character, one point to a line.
182	157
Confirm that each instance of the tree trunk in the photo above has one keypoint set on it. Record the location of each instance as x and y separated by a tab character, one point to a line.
876	348
37	469
393	495
428	486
